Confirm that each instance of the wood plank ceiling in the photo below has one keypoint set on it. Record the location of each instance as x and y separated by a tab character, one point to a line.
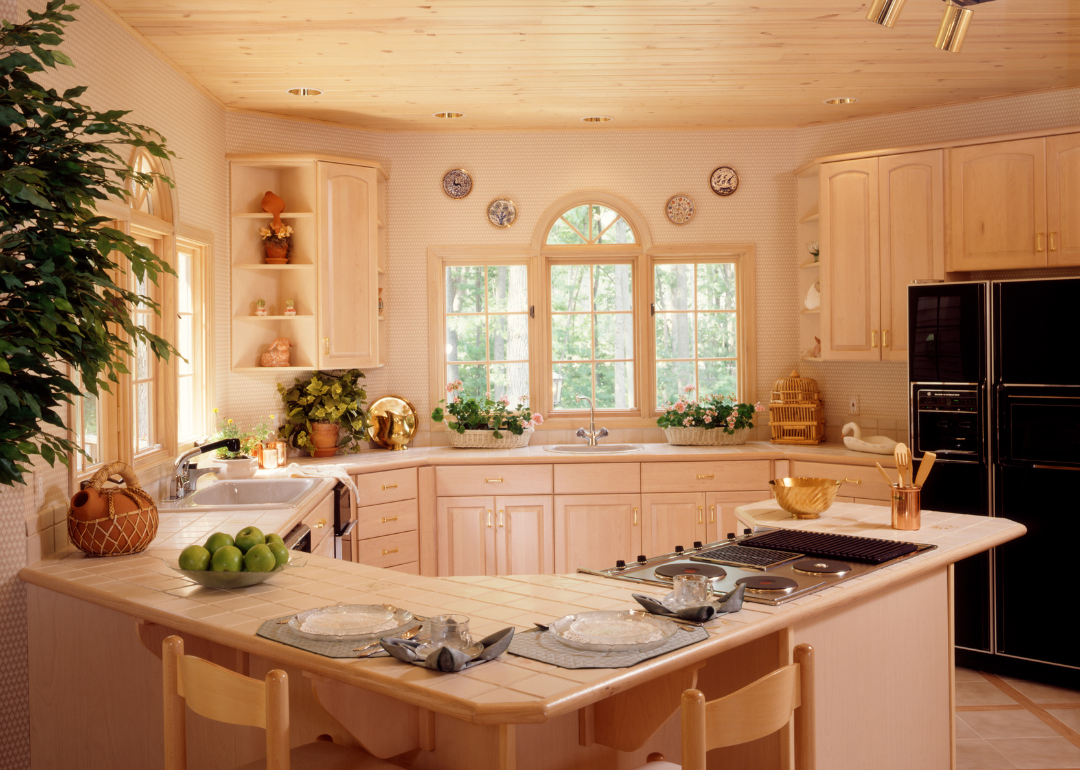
545	64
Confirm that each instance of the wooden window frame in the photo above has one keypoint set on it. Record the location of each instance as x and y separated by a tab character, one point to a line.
200	243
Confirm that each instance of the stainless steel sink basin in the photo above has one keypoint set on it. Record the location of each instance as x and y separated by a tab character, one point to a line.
251	493
599	449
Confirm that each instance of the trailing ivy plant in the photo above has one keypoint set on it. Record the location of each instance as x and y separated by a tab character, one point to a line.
331	397
62	309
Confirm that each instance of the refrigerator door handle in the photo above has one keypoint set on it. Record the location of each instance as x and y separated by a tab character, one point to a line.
1056	467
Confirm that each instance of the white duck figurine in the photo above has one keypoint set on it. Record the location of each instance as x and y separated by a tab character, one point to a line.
879	445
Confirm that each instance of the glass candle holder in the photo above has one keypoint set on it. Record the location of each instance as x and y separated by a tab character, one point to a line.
450	631
691	590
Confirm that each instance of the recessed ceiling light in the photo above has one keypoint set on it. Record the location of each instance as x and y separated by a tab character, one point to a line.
842	100
448	115
306	91
597	119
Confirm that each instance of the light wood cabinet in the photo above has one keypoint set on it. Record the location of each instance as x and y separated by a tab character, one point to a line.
511	535
997	206
882	227
524	535
595	531
1063	199
720	512
465	528
671	519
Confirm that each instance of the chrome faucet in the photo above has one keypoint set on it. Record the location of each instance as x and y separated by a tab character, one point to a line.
592	434
184	476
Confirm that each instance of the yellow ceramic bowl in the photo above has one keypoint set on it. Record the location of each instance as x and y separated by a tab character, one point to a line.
807	498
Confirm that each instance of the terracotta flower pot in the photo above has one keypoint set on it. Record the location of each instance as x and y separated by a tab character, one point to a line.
324	435
276	253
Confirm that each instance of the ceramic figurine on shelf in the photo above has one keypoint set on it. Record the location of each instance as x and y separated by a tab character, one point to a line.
813	298
277	239
814	248
380	302
260	307
278	354
816	352
290	307
879	445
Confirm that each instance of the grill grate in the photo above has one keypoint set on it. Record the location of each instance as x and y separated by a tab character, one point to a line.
739	556
848	547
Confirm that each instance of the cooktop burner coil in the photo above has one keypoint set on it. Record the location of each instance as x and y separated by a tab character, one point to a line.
741	556
669	571
821	567
768	584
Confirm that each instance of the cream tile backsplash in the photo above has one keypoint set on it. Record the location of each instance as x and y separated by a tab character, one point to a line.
533	169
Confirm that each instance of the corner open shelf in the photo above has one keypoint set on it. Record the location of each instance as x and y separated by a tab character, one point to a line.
808	215
284	215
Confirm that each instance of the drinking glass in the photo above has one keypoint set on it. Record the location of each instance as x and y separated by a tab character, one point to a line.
450	631
691	590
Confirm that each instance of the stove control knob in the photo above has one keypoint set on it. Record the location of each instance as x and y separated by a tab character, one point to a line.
697	544
679	549
730	535
620	564
748	531
642	558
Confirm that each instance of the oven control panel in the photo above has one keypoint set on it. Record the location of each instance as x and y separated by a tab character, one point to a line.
948	401
948	421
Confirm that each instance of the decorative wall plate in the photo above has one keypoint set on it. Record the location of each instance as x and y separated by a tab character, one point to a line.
391	422
502	212
724	181
457	183
680	209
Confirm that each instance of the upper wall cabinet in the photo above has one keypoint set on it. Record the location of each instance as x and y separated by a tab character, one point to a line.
997	208
882	227
1063	199
335	209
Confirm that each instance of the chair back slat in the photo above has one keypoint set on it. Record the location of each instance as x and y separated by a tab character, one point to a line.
753	712
220	694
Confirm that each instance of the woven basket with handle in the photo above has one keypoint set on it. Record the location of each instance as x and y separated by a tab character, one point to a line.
126	520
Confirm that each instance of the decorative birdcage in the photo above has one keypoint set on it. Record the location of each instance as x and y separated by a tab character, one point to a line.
796	414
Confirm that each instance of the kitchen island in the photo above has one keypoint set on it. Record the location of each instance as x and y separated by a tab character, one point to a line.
883	648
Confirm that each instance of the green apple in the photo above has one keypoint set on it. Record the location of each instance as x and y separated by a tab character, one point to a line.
281	553
195	558
227	559
274	537
248	537
216	541
260	559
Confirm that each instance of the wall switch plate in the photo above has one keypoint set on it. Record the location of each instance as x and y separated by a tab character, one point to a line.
853	405
39	489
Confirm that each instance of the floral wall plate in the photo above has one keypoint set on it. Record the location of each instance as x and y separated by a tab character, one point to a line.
680	209
724	181
502	212
457	183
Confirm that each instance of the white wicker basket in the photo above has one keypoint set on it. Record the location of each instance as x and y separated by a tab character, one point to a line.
705	436
483	439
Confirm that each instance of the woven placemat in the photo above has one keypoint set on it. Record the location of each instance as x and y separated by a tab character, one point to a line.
542	646
282	632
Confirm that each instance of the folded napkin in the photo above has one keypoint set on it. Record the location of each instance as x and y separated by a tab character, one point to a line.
449	659
702	614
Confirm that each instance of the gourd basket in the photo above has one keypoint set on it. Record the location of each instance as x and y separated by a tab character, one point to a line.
114	521
483	439
796	414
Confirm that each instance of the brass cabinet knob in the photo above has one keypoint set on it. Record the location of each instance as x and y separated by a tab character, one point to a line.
1038	242
320	524
489	517
386	519
388	551
1053	241
389	486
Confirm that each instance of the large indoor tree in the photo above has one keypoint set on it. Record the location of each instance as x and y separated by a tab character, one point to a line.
66	322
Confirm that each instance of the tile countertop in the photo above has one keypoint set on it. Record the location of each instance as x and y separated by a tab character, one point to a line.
383	459
511	690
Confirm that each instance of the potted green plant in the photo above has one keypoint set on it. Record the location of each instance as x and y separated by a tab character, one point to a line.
62	309
323	407
485	423
710	421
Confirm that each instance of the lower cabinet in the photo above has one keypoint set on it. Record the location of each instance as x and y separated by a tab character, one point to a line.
511	535
671	519
594	531
721	511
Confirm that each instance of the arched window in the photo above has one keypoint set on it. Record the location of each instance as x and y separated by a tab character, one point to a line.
590	223
150	199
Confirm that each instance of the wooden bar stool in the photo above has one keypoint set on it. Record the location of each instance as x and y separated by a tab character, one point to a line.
753	712
225	696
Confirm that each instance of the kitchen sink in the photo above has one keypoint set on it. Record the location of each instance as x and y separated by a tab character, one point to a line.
599	449
250	493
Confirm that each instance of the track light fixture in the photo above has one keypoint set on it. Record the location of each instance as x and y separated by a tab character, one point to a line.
885	12
954	27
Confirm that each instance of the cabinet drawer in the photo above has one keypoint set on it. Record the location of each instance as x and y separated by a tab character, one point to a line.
386	519
466	480
598	479
729	476
390	550
412	568
873	487
386	486
325	548
321	521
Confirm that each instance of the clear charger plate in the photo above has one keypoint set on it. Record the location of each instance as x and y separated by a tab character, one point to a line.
351	622
669	602
613	631
211	579
427	648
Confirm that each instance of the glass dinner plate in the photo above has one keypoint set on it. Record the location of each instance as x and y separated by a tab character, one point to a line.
350	622
610	631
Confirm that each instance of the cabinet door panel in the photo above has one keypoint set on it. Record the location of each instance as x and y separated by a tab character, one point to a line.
466	535
1063	199
672	519
594	531
348	267
997	206
850	243
720	507
912	237
524	536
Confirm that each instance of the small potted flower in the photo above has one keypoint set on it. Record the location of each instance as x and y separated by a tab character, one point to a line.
290	307
485	423
260	307
277	242
711	421
242	464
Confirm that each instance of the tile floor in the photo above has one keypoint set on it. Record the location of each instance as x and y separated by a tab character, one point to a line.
1004	723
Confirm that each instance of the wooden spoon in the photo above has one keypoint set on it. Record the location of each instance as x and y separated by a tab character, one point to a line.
928	459
903	463
884	474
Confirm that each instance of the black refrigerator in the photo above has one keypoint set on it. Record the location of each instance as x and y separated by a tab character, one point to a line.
995	392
